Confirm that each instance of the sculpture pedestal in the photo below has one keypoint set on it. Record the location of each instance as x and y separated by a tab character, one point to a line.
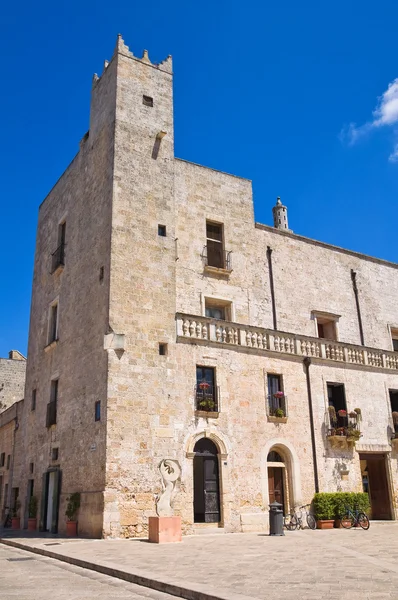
163	530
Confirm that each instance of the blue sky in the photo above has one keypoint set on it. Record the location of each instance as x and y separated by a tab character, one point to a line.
288	94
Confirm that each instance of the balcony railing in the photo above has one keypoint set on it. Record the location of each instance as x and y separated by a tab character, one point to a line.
51	414
343	424
207	398
277	406
58	258
207	330
220	259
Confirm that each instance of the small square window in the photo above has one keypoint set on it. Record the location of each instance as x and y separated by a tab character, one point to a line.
147	101
8	461
54	454
162	230
97	410
218	309
33	404
162	349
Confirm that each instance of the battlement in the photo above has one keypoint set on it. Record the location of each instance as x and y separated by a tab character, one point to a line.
121	48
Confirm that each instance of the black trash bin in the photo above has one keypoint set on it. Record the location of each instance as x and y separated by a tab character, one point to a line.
276	519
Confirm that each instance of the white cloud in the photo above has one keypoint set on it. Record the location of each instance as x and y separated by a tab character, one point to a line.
394	154
385	113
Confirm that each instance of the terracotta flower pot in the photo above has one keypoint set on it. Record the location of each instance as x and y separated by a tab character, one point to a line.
15	523
325	524
338	523
71	528
32	524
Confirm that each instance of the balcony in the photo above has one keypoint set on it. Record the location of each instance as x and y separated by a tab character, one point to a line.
198	329
207	400
216	260
58	258
277	408
343	427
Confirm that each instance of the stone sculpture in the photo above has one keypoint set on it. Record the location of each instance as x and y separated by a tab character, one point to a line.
170	471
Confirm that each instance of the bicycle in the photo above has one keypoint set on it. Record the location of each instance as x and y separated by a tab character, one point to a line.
353	519
295	520
7	520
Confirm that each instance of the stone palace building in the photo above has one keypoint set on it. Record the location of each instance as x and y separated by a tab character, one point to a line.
167	323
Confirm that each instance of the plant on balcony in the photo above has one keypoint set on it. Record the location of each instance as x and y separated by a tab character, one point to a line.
279	395
353	434
342	413
359	413
203	385
332	414
279	413
353	415
207	405
395	417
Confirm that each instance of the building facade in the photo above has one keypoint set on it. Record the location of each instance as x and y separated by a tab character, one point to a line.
166	323
12	379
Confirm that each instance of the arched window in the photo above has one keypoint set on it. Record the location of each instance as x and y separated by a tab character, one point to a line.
273	456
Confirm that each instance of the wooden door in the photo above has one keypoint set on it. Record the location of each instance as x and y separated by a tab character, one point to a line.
378	487
206	483
275	485
211	490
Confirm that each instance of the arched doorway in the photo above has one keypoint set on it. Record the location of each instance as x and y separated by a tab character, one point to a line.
206	482
276	478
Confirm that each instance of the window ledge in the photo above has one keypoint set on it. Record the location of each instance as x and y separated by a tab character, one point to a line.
207	414
277	419
58	269
217	270
51	345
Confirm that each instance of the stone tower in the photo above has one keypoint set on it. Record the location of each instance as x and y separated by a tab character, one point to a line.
279	212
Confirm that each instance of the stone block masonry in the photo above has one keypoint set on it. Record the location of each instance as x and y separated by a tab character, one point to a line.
143	310
12	379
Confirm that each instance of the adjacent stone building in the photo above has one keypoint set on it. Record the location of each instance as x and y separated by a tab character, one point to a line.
12	379
166	323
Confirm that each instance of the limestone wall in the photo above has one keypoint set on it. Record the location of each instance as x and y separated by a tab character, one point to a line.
82	197
12	379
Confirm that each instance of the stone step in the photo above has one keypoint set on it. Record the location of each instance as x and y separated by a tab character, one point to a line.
208	529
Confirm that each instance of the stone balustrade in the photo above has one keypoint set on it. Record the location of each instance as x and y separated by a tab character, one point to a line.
196	328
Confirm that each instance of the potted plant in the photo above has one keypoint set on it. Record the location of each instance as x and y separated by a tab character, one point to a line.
353	434
332	414
207	405
342	413
279	413
32	512
359	413
324	511
73	504
15	520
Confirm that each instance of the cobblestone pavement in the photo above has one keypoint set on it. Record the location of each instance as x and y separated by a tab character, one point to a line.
25	576
336	564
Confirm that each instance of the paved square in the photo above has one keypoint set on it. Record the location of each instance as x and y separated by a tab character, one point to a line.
332	564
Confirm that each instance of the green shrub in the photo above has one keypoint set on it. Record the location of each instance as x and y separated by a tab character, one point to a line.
73	506
335	504
32	507
324	506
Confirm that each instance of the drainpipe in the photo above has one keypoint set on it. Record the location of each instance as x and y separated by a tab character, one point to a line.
355	288
307	363
271	283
